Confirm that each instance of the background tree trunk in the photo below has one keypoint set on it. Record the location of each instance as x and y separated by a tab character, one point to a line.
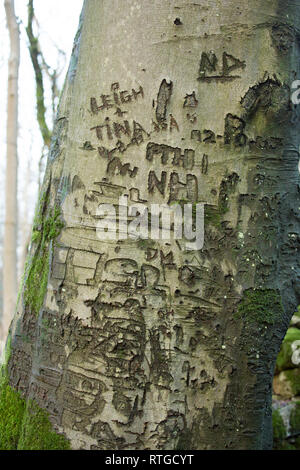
143	345
11	206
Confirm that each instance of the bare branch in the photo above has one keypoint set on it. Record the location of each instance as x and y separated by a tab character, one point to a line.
37	62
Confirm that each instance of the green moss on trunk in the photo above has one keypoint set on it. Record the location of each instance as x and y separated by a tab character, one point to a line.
260	306
12	408
279	431
47	227
37	433
25	426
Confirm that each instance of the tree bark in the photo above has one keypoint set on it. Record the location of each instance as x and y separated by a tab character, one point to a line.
11	207
141	344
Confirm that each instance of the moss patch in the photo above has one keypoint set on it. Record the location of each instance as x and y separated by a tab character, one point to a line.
47	227
279	431
293	377
37	433
24	425
260	306
12	408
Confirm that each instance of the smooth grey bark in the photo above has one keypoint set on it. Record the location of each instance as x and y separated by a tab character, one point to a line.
141	345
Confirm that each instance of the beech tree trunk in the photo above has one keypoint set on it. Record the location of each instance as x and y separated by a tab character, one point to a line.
141	344
11	206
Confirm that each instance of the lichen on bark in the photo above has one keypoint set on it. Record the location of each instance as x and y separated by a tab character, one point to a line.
46	228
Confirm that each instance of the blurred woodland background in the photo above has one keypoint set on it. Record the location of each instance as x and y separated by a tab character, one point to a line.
42	36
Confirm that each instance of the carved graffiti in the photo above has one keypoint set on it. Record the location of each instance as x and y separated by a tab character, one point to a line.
112	130
116	99
163	99
185	159
210	71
